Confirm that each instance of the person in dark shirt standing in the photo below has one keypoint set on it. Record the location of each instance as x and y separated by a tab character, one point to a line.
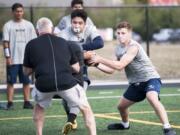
52	61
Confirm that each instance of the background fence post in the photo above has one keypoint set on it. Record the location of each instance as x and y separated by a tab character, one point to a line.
147	28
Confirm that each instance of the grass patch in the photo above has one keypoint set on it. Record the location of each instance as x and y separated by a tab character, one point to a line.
19	121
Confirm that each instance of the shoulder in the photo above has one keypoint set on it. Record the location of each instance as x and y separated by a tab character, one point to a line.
8	23
66	17
89	21
134	44
32	42
59	40
63	23
28	23
90	29
133	47
66	33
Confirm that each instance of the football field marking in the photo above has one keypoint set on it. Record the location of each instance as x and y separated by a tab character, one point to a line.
106	116
134	120
99	97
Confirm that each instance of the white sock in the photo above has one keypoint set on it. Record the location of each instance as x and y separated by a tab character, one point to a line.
125	124
167	125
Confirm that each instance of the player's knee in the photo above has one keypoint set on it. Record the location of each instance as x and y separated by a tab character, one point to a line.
85	109
121	107
36	118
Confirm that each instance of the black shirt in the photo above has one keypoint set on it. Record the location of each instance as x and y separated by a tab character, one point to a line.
79	54
51	58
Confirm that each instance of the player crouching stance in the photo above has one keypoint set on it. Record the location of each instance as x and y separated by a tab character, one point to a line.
144	81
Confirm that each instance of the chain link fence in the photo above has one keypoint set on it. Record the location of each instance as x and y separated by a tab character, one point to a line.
146	20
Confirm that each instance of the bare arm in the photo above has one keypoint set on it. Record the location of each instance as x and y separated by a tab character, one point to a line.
6	44
76	67
27	71
105	68
118	65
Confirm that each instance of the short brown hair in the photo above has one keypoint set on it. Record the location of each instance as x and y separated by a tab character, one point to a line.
124	24
79	13
16	5
74	2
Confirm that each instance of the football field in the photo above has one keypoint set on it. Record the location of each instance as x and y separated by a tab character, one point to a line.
143	120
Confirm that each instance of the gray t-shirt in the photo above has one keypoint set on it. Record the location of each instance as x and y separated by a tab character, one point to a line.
141	68
66	22
18	34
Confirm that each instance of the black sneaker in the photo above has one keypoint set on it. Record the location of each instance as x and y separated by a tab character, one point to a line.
169	131
27	105
10	106
116	126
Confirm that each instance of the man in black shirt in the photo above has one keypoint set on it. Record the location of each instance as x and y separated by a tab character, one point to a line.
52	60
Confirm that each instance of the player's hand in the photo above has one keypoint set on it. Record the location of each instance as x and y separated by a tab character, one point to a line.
8	61
88	55
90	63
95	60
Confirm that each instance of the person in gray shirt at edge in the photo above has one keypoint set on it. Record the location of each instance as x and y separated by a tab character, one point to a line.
144	81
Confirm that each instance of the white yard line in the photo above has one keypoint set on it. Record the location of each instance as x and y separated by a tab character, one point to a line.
100	97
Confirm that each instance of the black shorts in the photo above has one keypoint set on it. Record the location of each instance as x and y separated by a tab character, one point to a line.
136	92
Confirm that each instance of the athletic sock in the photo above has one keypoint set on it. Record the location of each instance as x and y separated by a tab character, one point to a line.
71	117
125	124
166	126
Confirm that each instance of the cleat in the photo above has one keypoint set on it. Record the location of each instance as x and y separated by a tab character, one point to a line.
117	126
169	131
10	106
27	105
67	128
74	125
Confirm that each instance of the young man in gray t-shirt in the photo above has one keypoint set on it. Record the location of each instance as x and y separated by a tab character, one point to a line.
144	81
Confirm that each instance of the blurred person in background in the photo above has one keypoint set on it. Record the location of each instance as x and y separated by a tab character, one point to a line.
66	20
16	34
144	80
